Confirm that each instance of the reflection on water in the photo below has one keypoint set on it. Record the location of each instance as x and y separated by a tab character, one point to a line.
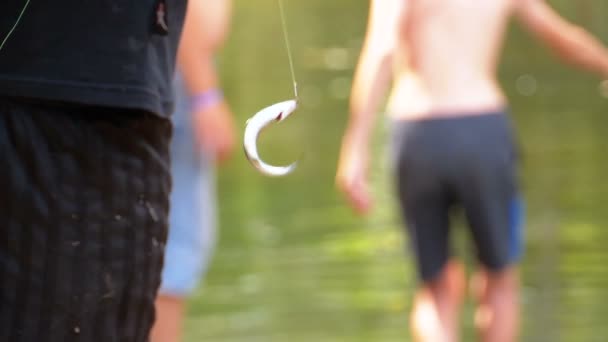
295	265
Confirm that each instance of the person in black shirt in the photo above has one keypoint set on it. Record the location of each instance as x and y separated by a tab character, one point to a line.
85	99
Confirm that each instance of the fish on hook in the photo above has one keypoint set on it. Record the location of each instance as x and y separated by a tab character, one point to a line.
262	119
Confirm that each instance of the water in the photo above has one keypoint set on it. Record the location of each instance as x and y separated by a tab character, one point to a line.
294	264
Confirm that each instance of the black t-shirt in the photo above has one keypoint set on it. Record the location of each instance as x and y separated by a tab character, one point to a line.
114	53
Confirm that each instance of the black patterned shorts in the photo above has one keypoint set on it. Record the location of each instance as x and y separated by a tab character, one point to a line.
83	221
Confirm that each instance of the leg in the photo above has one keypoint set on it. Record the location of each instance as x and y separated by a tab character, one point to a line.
497	313
169	318
495	220
496	285
487	187
437	304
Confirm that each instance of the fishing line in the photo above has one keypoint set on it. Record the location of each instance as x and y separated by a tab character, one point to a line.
287	45
10	32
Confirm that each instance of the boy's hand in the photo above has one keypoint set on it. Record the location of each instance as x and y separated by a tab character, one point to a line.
214	130
352	177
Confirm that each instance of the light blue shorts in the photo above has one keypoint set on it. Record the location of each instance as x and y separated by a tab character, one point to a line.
192	219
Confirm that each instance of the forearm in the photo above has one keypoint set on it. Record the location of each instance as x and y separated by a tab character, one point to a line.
572	43
580	48
199	72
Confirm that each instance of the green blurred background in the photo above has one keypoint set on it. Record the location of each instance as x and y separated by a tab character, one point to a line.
294	264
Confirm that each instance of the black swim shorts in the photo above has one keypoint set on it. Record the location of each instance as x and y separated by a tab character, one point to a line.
467	161
83	221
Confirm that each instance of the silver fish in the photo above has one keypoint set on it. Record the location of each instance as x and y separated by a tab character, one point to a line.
275	113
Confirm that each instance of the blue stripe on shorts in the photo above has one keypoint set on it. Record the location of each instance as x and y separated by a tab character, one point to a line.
516	219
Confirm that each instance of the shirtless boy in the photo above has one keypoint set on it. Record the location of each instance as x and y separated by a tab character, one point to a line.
454	145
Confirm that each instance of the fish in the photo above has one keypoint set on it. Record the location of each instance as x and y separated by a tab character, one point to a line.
258	122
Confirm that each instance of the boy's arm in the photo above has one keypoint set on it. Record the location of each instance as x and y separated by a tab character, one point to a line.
571	42
374	68
371	80
205	30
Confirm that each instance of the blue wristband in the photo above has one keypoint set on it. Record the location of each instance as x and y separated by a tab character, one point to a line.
206	99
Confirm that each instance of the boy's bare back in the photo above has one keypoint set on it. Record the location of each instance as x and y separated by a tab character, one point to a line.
449	55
